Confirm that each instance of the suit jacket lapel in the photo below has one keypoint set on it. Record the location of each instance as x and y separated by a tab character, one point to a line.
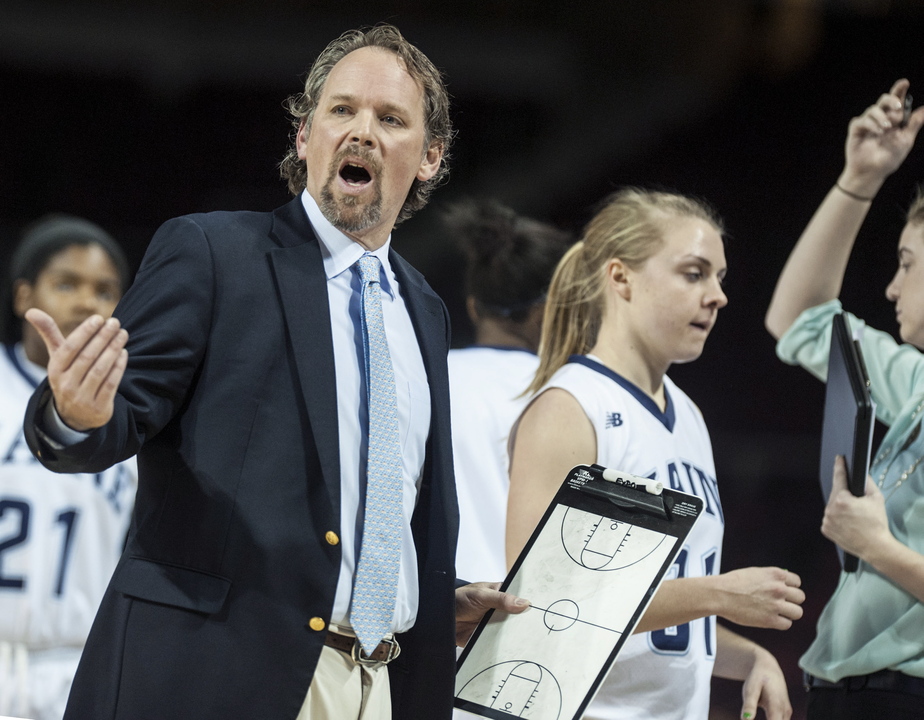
302	288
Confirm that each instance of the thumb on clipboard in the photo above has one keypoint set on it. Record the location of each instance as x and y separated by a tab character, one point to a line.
857	524
475	599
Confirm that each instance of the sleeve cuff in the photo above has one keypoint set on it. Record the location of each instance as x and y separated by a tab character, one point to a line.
55	432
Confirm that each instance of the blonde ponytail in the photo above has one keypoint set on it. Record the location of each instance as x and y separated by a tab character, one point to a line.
571	316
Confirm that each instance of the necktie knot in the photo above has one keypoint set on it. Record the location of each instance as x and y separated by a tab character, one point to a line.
369	269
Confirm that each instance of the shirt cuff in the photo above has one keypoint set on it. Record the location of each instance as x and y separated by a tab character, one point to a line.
55	432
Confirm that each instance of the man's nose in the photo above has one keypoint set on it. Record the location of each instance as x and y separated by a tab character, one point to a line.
363	130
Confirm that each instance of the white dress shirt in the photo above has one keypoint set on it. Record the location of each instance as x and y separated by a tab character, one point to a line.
340	255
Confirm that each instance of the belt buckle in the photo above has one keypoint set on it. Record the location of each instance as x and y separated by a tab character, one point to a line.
356	652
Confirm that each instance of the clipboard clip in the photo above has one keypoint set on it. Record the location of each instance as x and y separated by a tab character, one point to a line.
629	492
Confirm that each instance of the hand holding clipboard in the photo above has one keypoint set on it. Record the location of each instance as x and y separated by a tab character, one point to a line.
848	419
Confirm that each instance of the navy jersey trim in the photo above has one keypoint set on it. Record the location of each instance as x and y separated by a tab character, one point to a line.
11	353
667	418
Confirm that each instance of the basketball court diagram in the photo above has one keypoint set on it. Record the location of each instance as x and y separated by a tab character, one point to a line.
585	576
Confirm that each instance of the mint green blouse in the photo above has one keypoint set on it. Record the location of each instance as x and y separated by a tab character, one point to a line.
870	623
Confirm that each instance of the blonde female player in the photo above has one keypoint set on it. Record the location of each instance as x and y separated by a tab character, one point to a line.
868	657
641	291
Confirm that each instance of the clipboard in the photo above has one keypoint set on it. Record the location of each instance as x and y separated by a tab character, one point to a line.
848	419
589	570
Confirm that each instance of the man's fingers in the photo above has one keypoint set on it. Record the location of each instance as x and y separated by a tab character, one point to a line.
99	373
46	327
110	385
93	355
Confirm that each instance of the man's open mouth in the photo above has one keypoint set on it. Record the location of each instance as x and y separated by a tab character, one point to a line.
355	174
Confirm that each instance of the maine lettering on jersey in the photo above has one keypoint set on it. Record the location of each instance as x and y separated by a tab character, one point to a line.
688	478
112	483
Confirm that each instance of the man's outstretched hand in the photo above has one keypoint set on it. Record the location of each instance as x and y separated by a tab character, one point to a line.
84	369
474	600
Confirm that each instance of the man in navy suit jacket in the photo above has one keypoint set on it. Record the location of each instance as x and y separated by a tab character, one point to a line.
222	378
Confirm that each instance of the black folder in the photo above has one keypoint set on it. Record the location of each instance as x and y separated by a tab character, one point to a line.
848	419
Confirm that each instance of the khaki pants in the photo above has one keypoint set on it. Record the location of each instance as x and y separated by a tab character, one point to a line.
344	690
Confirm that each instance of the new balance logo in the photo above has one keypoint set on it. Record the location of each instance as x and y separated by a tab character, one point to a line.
613	419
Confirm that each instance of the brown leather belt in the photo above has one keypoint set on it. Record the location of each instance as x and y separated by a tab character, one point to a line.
386	651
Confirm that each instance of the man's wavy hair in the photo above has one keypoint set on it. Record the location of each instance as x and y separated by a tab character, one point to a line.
436	105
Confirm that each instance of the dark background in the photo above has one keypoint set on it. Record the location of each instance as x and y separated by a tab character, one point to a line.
130	113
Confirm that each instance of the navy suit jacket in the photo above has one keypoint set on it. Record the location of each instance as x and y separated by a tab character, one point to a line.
229	402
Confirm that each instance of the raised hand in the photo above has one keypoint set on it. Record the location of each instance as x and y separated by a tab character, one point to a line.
878	141
84	369
767	597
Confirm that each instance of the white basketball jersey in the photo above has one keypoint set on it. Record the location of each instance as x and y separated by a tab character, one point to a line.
485	385
60	535
664	674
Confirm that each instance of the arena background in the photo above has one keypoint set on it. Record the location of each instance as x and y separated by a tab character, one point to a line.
130	113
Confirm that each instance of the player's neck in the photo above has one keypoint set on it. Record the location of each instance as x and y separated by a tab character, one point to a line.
627	358
499	334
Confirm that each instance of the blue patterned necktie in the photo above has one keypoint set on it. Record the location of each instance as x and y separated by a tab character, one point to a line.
376	583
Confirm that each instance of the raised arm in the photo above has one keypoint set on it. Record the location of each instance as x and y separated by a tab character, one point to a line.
877	143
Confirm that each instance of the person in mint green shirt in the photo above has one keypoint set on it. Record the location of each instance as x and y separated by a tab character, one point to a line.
867	659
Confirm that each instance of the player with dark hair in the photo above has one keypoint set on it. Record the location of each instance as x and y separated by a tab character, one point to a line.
509	263
282	377
867	659
60	535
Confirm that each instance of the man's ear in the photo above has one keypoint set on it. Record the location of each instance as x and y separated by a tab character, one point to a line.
301	139
619	276
22	297
431	161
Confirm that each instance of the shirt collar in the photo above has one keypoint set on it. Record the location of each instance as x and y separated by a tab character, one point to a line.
339	251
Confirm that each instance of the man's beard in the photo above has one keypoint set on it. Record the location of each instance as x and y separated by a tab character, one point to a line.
350	214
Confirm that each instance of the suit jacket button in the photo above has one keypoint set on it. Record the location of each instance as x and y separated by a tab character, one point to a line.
331	537
317	623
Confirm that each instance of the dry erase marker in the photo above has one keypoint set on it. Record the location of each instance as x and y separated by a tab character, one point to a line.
652	487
